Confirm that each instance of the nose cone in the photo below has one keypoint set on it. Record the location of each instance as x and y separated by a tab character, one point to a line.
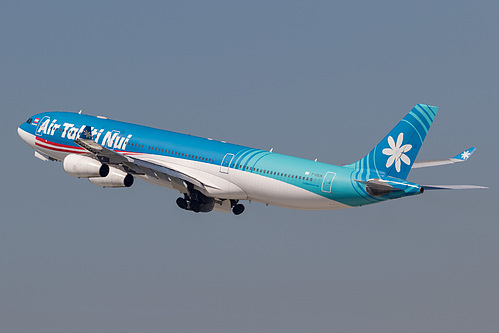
26	136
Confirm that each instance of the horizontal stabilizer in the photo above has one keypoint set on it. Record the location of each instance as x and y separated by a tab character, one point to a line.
453	187
377	187
458	158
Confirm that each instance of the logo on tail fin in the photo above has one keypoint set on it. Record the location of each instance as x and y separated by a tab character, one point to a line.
87	133
465	155
396	152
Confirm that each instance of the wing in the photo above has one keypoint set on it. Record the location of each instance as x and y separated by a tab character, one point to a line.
180	177
135	165
458	158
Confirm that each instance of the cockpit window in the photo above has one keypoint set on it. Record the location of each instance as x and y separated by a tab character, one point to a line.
29	121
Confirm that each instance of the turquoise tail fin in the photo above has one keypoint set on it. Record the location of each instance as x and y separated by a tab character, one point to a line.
394	155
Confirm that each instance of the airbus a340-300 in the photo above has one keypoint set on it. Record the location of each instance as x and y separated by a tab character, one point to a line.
215	175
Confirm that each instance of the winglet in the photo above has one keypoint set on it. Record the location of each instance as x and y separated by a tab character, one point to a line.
465	154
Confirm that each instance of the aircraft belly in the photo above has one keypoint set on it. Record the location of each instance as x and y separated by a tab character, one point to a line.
157	181
55	155
239	185
274	192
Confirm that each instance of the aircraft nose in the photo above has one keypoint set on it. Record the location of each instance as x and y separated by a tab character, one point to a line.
27	137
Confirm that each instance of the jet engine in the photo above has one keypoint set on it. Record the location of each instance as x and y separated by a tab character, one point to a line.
84	167
115	178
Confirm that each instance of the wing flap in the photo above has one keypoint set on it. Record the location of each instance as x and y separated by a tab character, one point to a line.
104	154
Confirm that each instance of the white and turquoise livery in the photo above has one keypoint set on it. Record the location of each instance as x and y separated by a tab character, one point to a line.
218	175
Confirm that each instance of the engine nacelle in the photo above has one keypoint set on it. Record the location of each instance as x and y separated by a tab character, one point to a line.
115	178
84	166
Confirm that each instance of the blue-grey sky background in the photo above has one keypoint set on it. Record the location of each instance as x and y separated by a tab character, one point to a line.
316	79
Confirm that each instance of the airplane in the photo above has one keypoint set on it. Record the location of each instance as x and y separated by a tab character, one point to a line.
216	175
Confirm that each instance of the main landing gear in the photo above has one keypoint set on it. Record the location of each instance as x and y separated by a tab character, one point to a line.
197	202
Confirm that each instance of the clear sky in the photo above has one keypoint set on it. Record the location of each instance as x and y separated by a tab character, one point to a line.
315	79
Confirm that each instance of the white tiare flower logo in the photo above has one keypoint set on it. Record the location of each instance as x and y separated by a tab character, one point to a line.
87	134
465	155
397	152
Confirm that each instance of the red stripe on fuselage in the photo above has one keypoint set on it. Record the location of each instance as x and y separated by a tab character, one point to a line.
58	144
57	149
79	149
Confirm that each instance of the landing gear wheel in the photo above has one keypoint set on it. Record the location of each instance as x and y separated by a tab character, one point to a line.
195	206
182	203
238	209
